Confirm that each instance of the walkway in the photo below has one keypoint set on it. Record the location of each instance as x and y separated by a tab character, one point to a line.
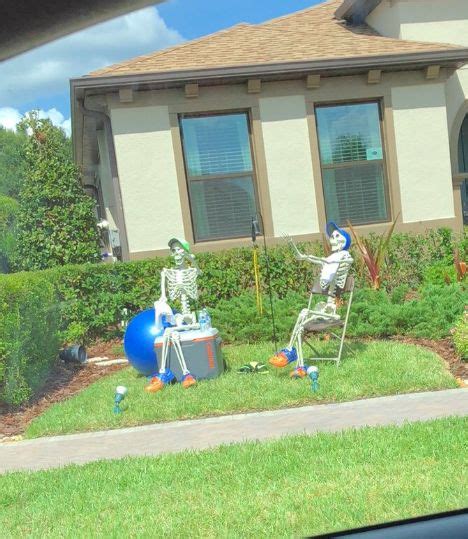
177	436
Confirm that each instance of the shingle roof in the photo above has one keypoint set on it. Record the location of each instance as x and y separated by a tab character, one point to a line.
310	34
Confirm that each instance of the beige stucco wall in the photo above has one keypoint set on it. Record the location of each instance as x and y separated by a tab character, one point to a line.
147	173
423	152
289	164
422	20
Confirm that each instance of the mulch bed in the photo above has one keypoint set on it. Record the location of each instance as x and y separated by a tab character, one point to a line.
67	379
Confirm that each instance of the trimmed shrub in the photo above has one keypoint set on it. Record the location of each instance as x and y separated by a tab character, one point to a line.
460	336
8	214
29	323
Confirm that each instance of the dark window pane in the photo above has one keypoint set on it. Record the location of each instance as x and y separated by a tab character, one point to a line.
216	144
463	147
351	154
349	133
355	193
222	208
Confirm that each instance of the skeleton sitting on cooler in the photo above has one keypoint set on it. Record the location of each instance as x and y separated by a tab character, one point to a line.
333	275
181	284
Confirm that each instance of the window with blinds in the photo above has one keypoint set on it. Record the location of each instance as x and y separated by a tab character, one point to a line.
219	168
352	160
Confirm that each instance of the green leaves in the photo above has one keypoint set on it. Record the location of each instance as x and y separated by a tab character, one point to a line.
56	222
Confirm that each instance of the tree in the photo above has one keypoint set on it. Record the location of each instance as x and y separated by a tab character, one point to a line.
12	164
56	222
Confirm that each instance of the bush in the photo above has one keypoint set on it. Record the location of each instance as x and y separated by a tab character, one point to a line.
8	214
460	336
29	323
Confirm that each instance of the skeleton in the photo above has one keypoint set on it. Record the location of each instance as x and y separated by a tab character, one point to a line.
333	275
181	284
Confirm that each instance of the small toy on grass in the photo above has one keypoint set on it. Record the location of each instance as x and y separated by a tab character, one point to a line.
120	392
313	374
254	367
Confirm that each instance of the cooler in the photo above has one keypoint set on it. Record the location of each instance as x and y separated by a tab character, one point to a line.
202	353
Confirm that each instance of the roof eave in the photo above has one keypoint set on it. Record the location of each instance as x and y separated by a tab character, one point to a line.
356	11
330	67
447	58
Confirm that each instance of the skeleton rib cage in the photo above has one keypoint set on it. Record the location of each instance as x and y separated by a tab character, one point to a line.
182	284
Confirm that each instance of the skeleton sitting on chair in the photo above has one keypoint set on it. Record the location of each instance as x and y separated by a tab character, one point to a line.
333	275
182	285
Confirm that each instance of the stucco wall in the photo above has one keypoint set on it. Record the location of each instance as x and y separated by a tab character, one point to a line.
147	172
289	164
423	153
422	20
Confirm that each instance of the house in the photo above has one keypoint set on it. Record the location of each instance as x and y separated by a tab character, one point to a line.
349	110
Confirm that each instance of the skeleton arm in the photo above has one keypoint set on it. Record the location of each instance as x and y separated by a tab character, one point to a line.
301	256
163	296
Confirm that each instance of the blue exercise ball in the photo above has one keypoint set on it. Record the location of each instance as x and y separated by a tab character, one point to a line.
139	343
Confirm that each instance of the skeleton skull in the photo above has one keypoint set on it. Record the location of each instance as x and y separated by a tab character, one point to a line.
178	254
337	241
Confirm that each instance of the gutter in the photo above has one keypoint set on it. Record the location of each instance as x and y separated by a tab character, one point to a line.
454	57
100	115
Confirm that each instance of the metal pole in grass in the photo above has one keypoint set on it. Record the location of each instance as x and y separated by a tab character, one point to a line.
256	230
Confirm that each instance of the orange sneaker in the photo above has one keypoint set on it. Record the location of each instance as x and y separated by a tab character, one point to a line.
156	384
188	381
159	381
283	358
298	372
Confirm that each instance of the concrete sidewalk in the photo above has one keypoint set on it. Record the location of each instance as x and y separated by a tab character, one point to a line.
177	436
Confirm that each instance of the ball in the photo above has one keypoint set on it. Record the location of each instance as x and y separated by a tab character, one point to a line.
139	343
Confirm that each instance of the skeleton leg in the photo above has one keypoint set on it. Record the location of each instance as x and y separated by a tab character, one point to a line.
165	349
175	340
188	379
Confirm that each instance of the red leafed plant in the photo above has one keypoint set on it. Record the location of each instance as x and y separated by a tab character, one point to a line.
460	266
373	252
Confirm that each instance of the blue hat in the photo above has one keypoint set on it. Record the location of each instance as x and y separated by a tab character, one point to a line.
331	226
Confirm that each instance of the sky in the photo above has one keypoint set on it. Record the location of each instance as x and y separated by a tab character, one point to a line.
39	79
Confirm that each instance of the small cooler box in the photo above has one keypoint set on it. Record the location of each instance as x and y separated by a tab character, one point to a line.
202	353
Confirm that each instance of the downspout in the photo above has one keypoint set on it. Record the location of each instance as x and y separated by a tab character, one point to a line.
100	115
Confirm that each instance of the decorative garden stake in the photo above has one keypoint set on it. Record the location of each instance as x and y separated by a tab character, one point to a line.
313	374
120	392
333	275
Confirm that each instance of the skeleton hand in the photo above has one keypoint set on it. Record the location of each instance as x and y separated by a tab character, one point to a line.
293	246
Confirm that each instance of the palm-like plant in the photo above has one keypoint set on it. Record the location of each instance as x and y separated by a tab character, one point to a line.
373	253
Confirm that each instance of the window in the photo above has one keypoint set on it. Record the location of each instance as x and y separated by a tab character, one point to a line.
351	155
218	162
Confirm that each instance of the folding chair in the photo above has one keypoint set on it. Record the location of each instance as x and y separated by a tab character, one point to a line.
314	327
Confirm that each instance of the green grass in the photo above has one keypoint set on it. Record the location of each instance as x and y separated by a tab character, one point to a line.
379	368
291	487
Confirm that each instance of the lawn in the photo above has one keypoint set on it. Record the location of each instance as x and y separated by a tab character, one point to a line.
378	368
290	487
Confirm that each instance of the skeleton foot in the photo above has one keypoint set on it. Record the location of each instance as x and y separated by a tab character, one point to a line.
188	381
284	357
159	381
299	372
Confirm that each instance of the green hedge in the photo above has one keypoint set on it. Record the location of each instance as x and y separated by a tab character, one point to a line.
29	324
94	295
431	313
8	214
